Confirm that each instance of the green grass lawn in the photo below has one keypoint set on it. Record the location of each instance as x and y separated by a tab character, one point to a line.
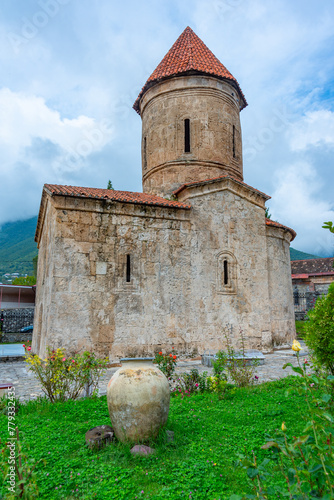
300	325
199	464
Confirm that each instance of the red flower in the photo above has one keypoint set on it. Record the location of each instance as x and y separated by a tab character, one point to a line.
23	345
171	355
29	348
160	353
174	357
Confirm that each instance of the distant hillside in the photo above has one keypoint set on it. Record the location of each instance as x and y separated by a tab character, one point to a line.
298	255
17	246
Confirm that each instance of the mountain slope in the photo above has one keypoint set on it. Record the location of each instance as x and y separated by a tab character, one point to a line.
298	255
17	246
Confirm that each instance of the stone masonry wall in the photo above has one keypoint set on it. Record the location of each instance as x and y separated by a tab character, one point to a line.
229	221
88	303
11	338
176	295
15	319
44	305
212	107
280	286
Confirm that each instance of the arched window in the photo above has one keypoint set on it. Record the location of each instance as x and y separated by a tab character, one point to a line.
226	273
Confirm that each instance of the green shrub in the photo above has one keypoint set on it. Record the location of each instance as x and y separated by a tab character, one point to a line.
189	383
240	371
320	331
65	377
166	363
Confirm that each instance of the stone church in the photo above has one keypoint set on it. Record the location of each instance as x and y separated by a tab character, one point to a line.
128	274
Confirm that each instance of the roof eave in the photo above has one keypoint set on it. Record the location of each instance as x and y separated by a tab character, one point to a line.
278	225
149	84
41	215
219	179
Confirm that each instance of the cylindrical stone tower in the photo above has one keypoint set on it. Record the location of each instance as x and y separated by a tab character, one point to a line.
190	109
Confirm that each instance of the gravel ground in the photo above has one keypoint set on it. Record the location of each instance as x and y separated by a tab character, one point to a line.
27	387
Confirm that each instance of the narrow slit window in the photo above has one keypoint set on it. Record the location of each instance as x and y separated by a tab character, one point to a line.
128	269
145	154
225	272
187	135
233	141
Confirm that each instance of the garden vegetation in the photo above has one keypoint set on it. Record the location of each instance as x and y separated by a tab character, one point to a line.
233	439
209	435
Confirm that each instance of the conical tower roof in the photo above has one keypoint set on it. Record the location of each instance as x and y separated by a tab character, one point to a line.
188	55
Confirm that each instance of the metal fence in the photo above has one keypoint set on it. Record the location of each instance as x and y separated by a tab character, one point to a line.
14	319
303	302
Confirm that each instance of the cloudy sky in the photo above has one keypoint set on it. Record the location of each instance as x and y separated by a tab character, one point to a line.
71	70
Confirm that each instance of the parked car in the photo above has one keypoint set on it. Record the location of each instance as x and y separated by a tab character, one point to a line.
27	329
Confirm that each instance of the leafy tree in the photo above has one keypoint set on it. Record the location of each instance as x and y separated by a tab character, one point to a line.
319	331
27	281
110	186
329	225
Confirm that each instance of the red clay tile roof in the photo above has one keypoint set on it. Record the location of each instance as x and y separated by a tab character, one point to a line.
273	223
189	54
109	194
217	179
313	266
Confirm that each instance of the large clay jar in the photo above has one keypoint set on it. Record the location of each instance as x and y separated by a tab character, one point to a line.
138	400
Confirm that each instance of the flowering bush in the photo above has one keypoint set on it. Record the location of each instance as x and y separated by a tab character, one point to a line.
65	377
27	347
218	386
166	363
296	346
189	383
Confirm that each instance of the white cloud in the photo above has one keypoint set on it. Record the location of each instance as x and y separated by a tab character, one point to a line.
297	202
37	145
91	59
316	128
25	117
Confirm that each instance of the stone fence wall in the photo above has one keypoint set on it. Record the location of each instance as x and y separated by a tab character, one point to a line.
303	302
13	338
15	319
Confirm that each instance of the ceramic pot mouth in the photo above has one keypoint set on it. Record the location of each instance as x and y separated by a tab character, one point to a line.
124	360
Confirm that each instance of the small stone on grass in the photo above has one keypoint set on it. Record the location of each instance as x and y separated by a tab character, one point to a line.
170	436
99	436
142	450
